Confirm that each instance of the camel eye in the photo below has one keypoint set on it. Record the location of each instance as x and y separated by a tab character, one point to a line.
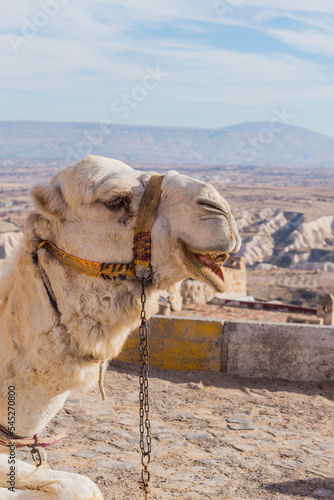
114	205
118	203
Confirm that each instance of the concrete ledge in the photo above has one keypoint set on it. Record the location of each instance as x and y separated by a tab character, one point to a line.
245	348
179	344
280	350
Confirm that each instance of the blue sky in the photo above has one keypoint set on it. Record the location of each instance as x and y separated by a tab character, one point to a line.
200	63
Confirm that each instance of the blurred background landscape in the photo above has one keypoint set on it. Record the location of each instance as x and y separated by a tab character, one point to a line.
236	93
283	207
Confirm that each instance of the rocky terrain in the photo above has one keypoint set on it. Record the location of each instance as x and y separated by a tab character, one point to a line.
285	239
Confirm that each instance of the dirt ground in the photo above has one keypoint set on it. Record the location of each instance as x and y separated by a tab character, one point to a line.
213	436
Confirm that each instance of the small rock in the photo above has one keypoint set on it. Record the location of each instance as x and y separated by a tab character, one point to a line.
211	461
220	433
88	454
84	418
182	416
175	486
249	462
238	418
167	436
98	436
326	457
311	450
192	436
282	433
103	411
123	445
267	443
102	427
241	427
227	439
251	435
104	449
244	447
296	442
326	446
288	454
116	465
185	476
123	434
204	411
227	453
74	409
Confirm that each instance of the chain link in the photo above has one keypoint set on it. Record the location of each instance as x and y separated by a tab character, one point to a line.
144	408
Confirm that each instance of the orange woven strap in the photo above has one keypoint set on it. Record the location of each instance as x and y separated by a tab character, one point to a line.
96	269
145	218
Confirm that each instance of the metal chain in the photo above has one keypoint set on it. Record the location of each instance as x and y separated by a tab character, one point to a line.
144	422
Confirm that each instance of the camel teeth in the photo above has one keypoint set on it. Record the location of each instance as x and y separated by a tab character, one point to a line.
214	255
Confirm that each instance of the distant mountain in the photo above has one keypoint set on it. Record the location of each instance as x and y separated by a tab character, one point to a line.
268	144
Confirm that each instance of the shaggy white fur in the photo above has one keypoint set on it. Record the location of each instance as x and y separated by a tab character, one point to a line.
89	210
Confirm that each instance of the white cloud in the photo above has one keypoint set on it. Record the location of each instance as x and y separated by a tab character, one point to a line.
325	6
197	73
309	40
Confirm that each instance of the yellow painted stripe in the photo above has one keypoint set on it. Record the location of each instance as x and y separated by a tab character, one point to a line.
179	344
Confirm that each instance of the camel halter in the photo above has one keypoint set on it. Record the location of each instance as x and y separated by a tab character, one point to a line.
141	242
141	255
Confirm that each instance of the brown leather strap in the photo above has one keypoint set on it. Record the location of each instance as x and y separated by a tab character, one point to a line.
145	218
149	204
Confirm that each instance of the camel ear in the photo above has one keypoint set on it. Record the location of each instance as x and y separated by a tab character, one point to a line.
49	201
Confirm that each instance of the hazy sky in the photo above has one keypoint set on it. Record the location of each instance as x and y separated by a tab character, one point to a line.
200	63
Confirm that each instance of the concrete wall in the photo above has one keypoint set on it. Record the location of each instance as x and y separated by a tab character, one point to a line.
289	351
244	348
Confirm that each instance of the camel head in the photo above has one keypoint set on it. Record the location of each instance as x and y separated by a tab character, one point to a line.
89	210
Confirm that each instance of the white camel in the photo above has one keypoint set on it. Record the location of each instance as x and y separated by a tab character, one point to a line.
89	211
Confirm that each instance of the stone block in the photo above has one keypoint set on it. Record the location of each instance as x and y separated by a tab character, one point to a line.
279	350
325	309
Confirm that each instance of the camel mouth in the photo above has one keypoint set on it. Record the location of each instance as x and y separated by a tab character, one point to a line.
208	267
